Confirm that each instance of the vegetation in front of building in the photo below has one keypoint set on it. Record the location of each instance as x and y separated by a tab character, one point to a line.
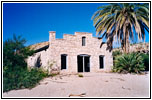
131	63
16	75
80	75
116	53
145	61
21	78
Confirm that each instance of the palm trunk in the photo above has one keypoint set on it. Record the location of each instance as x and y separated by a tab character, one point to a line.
124	48
127	42
126	37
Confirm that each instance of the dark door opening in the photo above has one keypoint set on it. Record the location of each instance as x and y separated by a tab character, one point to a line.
101	61
83	63
86	64
80	63
63	61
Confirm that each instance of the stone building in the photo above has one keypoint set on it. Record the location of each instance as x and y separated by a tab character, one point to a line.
80	52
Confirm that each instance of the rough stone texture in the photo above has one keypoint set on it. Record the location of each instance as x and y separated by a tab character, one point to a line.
72	46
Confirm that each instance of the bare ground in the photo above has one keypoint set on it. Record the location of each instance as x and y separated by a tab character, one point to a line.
91	85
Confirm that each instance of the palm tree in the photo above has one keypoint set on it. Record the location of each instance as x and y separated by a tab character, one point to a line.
122	22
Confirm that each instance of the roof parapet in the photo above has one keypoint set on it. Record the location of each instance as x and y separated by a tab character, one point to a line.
82	33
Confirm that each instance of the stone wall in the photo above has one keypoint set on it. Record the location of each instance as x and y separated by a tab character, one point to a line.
72	46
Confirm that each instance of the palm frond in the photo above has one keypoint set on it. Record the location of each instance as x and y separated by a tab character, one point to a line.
116	21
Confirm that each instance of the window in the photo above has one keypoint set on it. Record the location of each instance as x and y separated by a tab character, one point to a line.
83	41
101	61
63	61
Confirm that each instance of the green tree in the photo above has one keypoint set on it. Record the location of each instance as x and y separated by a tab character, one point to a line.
122	22
15	72
15	53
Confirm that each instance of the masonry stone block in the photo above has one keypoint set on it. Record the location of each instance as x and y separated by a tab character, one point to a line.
71	45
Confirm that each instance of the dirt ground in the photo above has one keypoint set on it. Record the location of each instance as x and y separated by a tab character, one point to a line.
90	85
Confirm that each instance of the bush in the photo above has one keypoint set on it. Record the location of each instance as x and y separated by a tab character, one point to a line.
15	72
129	63
80	75
15	53
21	78
146	61
116	53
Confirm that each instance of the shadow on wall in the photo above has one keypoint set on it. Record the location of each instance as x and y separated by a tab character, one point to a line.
38	62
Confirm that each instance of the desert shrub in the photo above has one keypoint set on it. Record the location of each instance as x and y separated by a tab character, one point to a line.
15	72
145	61
21	78
129	63
80	75
53	74
116	53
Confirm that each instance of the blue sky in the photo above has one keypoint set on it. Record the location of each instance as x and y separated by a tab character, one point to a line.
34	20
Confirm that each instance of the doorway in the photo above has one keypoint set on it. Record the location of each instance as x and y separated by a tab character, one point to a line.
101	61
83	63
63	61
